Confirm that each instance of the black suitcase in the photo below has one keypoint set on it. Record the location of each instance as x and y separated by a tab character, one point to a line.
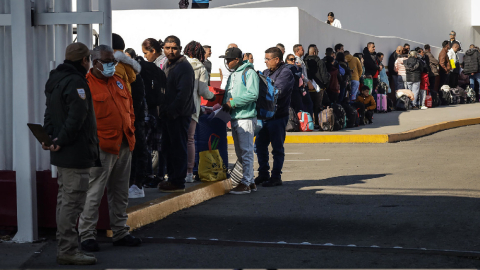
293	124
353	119
340	117
403	103
435	99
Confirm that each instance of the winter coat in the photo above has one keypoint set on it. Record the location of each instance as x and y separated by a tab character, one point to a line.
471	62
370	63
335	78
138	98
284	81
243	97
317	70
368	101
126	69
399	67
413	68
179	90
355	67
114	112
70	117
200	88
434	64
444	61
391	63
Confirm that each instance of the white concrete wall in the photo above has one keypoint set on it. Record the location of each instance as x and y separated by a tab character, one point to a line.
474	12
427	21
190	25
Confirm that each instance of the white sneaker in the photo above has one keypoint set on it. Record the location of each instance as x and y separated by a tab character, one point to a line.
134	192
189	178
423	108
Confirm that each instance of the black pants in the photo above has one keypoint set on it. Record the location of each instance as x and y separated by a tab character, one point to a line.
453	80
174	148
297	102
307	103
317	98
333	96
444	78
433	83
140	156
200	5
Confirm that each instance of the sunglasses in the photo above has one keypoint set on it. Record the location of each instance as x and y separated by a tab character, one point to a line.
291	59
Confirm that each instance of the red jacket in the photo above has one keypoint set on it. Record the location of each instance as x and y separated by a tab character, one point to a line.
334	85
114	112
424	83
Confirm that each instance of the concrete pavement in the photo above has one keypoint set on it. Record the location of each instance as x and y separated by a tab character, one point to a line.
417	194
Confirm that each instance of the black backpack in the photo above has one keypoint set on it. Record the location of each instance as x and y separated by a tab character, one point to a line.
435	99
155	83
403	103
293	124
340	117
183	4
353	120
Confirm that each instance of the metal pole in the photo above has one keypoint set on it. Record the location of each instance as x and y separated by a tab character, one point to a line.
3	90
24	151
84	31
69	26
9	92
41	72
106	27
60	34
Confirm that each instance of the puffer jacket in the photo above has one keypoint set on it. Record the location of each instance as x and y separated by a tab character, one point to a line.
413	68
200	88
471	62
434	64
399	66
444	61
127	69
368	101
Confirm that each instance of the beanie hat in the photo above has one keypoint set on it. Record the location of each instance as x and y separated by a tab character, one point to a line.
117	42
76	51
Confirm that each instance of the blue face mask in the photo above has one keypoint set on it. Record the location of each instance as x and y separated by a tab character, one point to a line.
108	69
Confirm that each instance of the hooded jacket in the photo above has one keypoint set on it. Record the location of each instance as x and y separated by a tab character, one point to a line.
243	97
355	66
317	71
126	69
391	63
70	117
414	69
434	64
284	81
370	62
444	61
179	90
200	88
471	62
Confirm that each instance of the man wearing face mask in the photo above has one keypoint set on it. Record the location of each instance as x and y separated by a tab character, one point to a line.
115	128
240	99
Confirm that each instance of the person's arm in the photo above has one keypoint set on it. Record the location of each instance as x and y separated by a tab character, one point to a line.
285	82
252	82
359	68
373	104
132	113
77	113
203	89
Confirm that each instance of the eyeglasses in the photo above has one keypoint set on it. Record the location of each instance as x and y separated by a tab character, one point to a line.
291	59
114	63
268	59
452	34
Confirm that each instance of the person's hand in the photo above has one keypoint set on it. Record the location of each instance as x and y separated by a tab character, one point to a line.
45	147
53	147
227	107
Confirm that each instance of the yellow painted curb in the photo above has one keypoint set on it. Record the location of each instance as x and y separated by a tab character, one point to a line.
152	211
377	138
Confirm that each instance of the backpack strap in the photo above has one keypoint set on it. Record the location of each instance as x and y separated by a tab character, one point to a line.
244	78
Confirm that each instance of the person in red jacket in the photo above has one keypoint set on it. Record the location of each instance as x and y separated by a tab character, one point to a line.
113	107
333	89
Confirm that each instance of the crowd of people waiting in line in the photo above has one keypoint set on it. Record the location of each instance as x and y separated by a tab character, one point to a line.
108	109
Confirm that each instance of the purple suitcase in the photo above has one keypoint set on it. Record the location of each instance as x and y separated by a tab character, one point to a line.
381	103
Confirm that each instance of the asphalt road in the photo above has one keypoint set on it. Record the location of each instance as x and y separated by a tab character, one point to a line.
421	195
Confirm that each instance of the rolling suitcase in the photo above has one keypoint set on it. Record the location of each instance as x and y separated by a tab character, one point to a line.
382	103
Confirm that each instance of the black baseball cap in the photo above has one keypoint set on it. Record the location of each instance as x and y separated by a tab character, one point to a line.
232	53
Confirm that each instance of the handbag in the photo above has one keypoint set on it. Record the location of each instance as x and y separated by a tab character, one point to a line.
211	167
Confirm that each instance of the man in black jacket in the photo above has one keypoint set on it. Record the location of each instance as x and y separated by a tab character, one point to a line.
317	72
370	60
70	120
391	66
176	114
273	131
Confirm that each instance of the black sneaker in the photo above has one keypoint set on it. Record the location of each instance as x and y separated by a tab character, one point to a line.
261	178
129	241
152	182
273	182
90	245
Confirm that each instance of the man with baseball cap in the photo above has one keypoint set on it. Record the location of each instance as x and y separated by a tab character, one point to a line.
240	99
70	122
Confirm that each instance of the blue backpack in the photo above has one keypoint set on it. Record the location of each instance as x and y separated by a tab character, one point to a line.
267	97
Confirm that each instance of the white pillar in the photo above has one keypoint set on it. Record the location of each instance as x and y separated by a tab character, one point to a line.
41	72
3	90
84	31
69	26
106	27
8	112
60	34
24	151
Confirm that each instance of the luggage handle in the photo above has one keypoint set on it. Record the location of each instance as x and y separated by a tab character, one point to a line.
215	142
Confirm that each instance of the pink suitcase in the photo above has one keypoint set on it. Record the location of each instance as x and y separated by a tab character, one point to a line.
381	103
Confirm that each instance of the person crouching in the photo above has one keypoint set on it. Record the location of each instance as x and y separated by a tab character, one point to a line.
366	104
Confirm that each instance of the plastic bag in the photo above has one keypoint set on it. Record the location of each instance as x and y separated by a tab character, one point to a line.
211	167
369	82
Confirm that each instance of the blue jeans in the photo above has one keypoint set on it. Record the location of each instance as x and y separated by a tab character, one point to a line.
473	78
355	85
273	132
415	88
174	148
